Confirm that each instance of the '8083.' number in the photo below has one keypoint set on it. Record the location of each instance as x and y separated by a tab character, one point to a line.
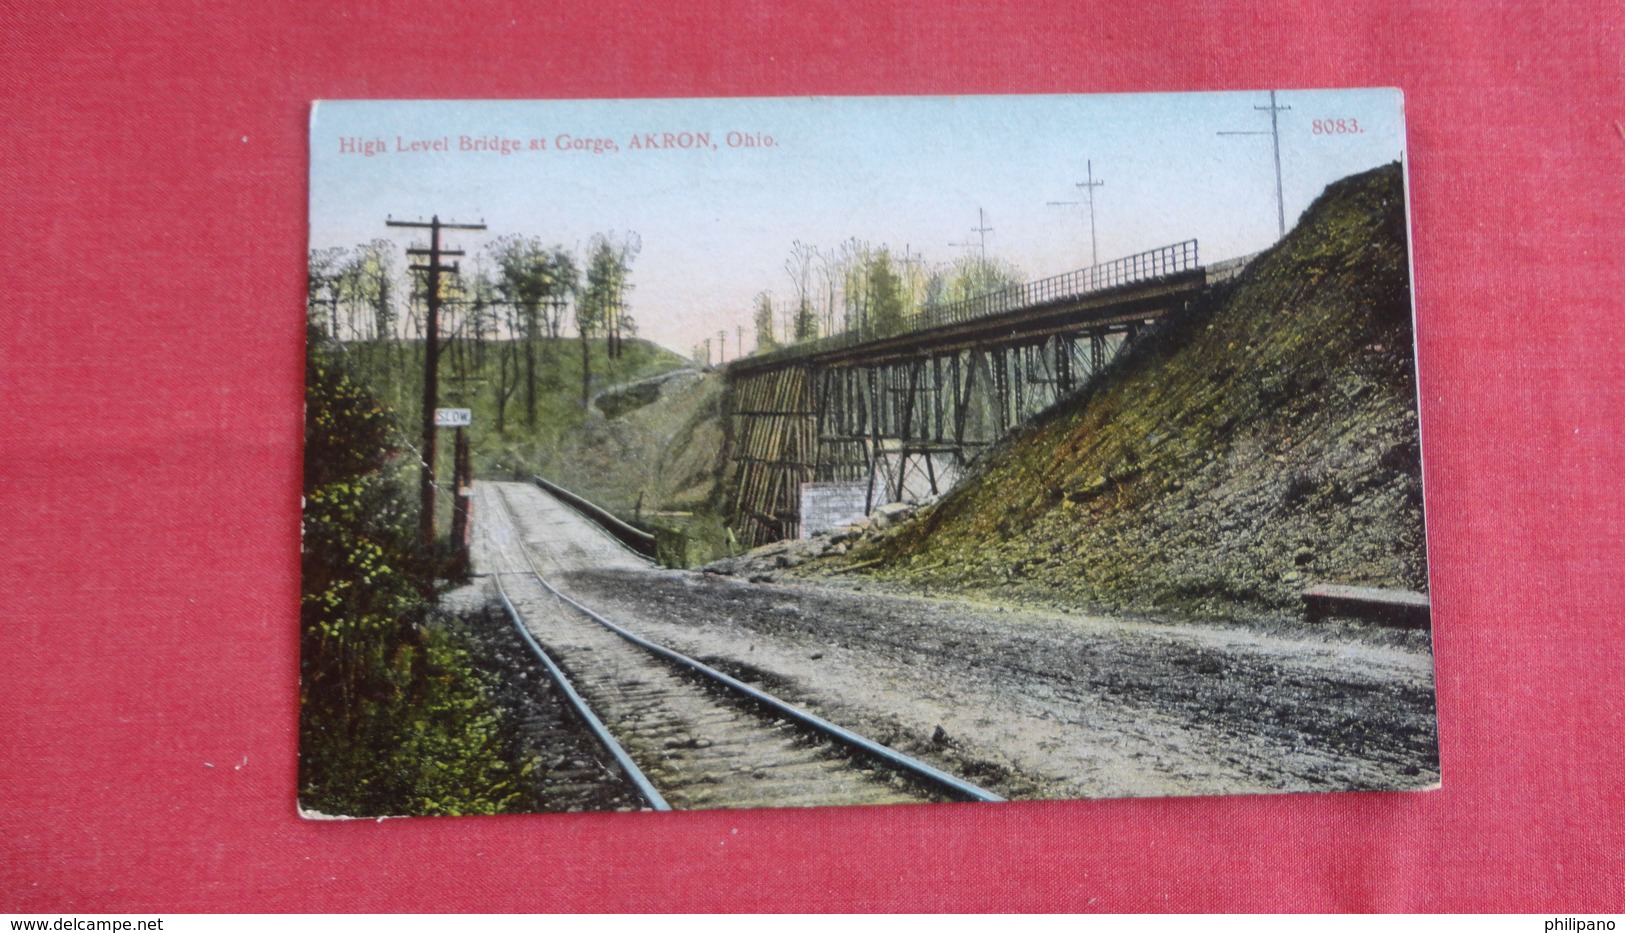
1337	127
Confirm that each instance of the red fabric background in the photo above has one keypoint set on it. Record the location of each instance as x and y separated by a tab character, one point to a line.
155	167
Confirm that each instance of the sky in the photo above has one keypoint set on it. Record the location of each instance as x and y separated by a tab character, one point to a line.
717	217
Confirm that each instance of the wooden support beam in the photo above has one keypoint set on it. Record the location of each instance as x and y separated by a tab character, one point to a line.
915	371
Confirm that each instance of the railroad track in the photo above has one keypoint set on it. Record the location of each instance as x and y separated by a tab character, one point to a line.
687	736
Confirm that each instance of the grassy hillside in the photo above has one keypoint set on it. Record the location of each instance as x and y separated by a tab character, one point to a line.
503	436
663	452
659	463
1256	444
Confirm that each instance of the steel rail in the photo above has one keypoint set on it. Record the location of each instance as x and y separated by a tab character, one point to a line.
594	725
896	759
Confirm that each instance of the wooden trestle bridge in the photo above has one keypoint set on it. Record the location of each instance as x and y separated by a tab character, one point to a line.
897	417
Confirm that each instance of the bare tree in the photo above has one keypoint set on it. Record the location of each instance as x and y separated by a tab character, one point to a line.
803	324
323	275
855	266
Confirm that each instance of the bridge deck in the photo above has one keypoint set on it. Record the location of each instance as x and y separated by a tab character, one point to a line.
1062	302
1106	310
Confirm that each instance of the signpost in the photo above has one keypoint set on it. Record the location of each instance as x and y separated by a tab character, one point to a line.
453	417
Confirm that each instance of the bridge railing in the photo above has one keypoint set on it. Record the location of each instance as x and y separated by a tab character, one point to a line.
1140	267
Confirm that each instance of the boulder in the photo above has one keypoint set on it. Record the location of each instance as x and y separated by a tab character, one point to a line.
890	515
848	533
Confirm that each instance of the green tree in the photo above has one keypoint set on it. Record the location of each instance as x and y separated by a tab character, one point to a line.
853	260
602	308
974	276
536	281
763	318
371	278
885	296
806	322
363	582
482	319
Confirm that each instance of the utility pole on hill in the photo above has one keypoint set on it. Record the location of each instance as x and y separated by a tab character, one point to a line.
1089	184
982	230
432	268
1275	136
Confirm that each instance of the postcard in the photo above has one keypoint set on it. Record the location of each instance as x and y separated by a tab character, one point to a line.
676	454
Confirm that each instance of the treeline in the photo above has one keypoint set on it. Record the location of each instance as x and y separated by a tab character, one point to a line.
856	287
504	315
395	716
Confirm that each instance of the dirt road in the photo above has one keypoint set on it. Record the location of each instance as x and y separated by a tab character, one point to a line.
1034	703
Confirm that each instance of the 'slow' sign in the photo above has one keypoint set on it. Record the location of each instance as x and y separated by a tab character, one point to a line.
453	417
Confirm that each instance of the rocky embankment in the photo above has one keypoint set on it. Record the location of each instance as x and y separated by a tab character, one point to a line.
768	563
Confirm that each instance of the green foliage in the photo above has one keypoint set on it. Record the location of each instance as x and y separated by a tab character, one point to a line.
394	717
347	431
435	745
970	277
602	307
763	315
806	322
885	296
353	289
534	283
503	445
531	277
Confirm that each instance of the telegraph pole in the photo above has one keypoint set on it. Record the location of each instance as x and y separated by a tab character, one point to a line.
982	230
912	262
432	268
1089	184
1275	137
722	343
